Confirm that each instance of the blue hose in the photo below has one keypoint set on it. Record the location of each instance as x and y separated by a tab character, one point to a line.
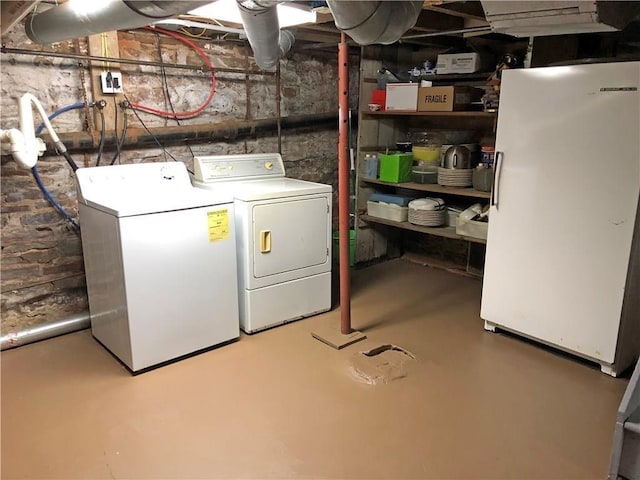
36	175
73	106
52	201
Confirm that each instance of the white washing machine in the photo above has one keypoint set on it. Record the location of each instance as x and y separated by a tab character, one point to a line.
283	235
159	260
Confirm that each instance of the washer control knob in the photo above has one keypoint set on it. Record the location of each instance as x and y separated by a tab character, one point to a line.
268	165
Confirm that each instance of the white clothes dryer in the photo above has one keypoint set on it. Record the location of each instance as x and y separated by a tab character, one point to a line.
159	260
283	235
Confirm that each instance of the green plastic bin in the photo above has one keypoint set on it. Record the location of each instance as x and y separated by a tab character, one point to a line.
396	167
352	247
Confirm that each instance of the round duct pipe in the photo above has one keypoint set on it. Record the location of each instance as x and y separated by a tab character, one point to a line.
268	42
370	22
82	18
44	331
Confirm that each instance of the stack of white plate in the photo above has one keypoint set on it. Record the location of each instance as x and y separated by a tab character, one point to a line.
428	212
455	177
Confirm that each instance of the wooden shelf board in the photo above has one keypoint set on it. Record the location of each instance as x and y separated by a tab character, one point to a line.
447	232
432	187
465	113
446	76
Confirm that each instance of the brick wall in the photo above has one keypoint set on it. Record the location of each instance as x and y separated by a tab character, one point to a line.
42	275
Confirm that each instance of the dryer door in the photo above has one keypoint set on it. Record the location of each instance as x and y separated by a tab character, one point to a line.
290	235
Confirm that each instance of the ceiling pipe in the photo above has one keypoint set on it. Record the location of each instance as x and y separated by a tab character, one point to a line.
268	42
80	18
369	22
195	134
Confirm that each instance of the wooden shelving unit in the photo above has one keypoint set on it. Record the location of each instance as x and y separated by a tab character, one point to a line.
434	188
378	131
465	113
447	232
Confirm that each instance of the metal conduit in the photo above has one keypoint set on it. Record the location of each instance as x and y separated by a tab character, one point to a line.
44	331
204	133
129	61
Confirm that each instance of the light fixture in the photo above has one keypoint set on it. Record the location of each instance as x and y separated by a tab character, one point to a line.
82	7
227	11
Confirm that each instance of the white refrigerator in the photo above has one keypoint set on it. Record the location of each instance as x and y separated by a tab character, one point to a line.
563	249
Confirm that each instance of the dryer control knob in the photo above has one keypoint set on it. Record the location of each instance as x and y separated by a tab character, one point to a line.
268	165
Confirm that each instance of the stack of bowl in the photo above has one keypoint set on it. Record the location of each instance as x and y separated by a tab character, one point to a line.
456	168
428	212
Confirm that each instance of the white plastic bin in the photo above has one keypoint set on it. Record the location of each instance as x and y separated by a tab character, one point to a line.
388	211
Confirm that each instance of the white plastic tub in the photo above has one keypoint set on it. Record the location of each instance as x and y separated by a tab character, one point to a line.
388	211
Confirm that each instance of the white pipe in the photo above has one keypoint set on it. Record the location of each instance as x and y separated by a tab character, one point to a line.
45	331
23	144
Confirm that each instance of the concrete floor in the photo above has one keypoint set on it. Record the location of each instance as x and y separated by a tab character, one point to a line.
280	404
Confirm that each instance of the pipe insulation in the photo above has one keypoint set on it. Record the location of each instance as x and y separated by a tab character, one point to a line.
204	133
368	22
78	18
45	331
268	42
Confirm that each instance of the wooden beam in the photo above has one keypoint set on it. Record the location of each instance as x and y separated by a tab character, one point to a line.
109	48
13	12
430	21
468	10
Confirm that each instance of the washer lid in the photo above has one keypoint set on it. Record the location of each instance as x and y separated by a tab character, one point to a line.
267	189
139	189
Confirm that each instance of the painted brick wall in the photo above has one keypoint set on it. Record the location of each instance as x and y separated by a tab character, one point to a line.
42	275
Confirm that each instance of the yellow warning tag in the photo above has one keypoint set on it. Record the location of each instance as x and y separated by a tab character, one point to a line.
218	221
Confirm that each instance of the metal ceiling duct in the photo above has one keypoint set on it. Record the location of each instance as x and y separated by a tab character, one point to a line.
560	17
81	18
268	42
368	22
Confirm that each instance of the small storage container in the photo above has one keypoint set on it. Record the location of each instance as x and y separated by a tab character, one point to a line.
389	211
483	178
424	174
471	228
370	165
395	167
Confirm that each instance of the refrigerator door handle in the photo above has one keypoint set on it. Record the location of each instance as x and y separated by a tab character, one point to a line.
496	180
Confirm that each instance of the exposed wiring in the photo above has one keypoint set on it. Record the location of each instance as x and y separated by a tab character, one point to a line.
203	55
166	88
104	44
102	135
186	32
52	201
150	132
120	141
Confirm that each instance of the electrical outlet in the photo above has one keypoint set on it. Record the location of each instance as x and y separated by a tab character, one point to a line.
111	82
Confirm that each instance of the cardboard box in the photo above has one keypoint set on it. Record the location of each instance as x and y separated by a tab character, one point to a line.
458	63
402	97
447	99
396	167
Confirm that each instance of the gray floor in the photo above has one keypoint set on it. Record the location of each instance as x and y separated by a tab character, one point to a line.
281	404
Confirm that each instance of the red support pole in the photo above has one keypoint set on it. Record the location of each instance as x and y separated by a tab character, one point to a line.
343	183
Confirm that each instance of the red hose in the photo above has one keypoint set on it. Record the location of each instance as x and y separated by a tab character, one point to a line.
212	91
